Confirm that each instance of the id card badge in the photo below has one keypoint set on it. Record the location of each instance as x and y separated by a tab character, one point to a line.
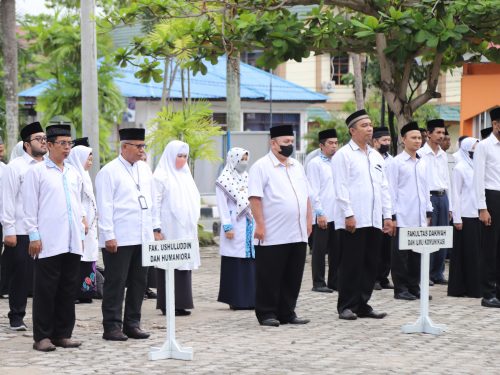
142	202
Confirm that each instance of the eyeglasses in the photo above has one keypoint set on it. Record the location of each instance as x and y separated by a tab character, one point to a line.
39	139
64	143
141	146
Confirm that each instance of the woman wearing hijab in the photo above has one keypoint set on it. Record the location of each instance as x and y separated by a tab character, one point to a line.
464	279
178	204
17	151
80	157
237	274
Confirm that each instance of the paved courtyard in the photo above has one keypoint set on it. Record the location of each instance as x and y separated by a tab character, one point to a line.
227	342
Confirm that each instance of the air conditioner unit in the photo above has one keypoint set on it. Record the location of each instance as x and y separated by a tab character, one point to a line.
328	86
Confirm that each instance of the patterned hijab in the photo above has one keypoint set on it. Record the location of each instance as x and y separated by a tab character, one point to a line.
234	184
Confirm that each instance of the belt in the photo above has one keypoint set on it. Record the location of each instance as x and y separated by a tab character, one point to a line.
439	193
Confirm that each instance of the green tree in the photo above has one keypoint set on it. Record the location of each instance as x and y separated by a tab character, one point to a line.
55	44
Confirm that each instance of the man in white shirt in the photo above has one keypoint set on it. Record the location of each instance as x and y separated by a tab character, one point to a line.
319	174
411	206
279	198
125	194
54	220
382	143
16	238
362	213
487	185
438	181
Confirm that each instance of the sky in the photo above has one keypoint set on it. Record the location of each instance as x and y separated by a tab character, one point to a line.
30	7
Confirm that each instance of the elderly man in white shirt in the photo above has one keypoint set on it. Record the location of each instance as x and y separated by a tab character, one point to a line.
16	238
125	192
362	214
54	220
487	186
438	181
411	206
320	176
279	199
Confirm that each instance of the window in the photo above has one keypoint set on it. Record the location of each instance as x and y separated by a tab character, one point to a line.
481	121
339	65
262	122
221	119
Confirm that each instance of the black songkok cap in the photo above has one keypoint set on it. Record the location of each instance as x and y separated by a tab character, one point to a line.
495	114
328	133
422	130
56	130
82	142
380	132
30	129
485	133
132	134
281	130
355	117
446	132
436	123
409	127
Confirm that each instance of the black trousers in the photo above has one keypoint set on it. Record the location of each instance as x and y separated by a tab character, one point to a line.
278	270
55	287
21	275
324	242
405	269
359	254
490	248
384	261
123	268
183	290
464	279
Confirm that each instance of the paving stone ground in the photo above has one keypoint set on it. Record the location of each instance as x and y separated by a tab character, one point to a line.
228	342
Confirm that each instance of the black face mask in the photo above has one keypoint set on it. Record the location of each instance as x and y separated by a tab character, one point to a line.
471	154
286	151
383	149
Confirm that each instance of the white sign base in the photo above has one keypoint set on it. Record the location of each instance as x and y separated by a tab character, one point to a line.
169	255
425	241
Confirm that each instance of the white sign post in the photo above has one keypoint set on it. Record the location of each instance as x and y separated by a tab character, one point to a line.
169	255
425	241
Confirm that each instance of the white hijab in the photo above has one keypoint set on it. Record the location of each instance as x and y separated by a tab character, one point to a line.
77	158
182	195
17	151
234	184
465	147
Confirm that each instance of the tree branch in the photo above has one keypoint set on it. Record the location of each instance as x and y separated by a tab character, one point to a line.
432	82
386	76
403	85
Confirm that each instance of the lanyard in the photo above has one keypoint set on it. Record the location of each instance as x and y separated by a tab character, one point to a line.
137	184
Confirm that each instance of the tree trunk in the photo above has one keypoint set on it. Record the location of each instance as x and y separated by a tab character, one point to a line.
233	92
8	22
358	81
165	87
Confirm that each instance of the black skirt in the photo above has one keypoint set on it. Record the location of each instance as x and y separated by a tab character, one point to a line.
183	290
237	282
87	286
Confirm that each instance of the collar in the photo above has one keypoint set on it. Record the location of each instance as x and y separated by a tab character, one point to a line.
354	146
428	150
126	162
406	156
28	158
50	164
277	163
493	139
324	157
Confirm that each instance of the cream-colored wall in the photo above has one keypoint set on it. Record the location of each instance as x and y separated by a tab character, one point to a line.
452	79
302	73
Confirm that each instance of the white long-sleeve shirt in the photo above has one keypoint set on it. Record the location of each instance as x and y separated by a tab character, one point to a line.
320	176
53	209
12	198
463	194
284	192
437	174
409	192
486	168
361	187
120	214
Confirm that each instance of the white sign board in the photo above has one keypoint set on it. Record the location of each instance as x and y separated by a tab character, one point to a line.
168	254
425	240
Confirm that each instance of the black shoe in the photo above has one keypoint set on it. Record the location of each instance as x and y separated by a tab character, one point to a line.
322	289
182	312
373	314
492	302
377	286
150	294
66	343
135	333
441	282
431	283
387	285
84	300
296	320
270	322
407	296
18	326
348	315
418	296
114	335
